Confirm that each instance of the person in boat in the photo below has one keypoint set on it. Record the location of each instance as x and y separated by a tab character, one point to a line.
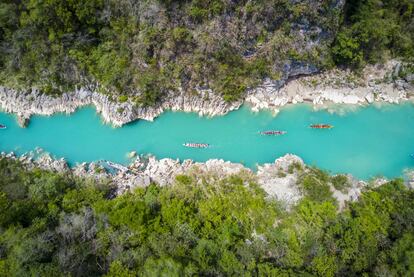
273	132
2	126
196	145
321	126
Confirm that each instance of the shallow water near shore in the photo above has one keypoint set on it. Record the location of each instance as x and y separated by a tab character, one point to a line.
367	142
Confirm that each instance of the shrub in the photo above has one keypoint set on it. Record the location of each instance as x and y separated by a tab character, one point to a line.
296	166
340	182
315	185
346	50
122	98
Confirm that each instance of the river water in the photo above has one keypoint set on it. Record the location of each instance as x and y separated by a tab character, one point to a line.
366	142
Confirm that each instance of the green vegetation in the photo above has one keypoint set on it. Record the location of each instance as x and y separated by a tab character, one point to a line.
375	30
122	98
57	225
294	167
315	185
406	71
143	49
340	182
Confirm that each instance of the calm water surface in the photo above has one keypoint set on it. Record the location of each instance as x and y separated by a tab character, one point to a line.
368	142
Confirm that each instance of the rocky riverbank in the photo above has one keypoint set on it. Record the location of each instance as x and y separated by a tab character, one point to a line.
279	179
381	83
26	104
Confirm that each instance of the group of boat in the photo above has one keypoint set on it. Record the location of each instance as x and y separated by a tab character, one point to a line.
268	133
265	133
278	133
206	145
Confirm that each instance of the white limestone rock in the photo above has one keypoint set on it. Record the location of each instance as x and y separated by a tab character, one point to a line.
278	182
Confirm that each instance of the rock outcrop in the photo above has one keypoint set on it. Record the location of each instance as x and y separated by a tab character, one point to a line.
280	182
26	104
351	193
380	83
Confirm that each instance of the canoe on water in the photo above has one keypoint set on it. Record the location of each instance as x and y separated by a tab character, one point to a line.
321	126
273	133
196	145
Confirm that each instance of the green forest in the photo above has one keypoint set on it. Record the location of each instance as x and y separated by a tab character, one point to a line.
59	225
140	50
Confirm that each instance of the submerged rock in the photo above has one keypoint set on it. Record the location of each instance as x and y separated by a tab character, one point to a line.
131	154
23	120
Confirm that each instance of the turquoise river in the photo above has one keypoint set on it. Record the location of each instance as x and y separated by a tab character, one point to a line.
365	142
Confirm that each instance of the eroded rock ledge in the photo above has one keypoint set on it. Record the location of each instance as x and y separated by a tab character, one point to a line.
381	83
279	179
26	104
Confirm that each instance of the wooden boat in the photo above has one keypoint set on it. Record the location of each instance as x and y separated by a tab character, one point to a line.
321	126
196	145
2	127
273	133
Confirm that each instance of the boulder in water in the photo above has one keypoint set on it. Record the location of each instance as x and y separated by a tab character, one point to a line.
23	121
131	154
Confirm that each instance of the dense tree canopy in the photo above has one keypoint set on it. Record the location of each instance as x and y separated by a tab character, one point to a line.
58	225
141	49
375	30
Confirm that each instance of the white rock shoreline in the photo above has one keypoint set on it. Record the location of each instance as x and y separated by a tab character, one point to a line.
375	84
380	83
278	179
26	104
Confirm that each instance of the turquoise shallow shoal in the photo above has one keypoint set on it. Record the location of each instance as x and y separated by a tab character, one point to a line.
367	142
